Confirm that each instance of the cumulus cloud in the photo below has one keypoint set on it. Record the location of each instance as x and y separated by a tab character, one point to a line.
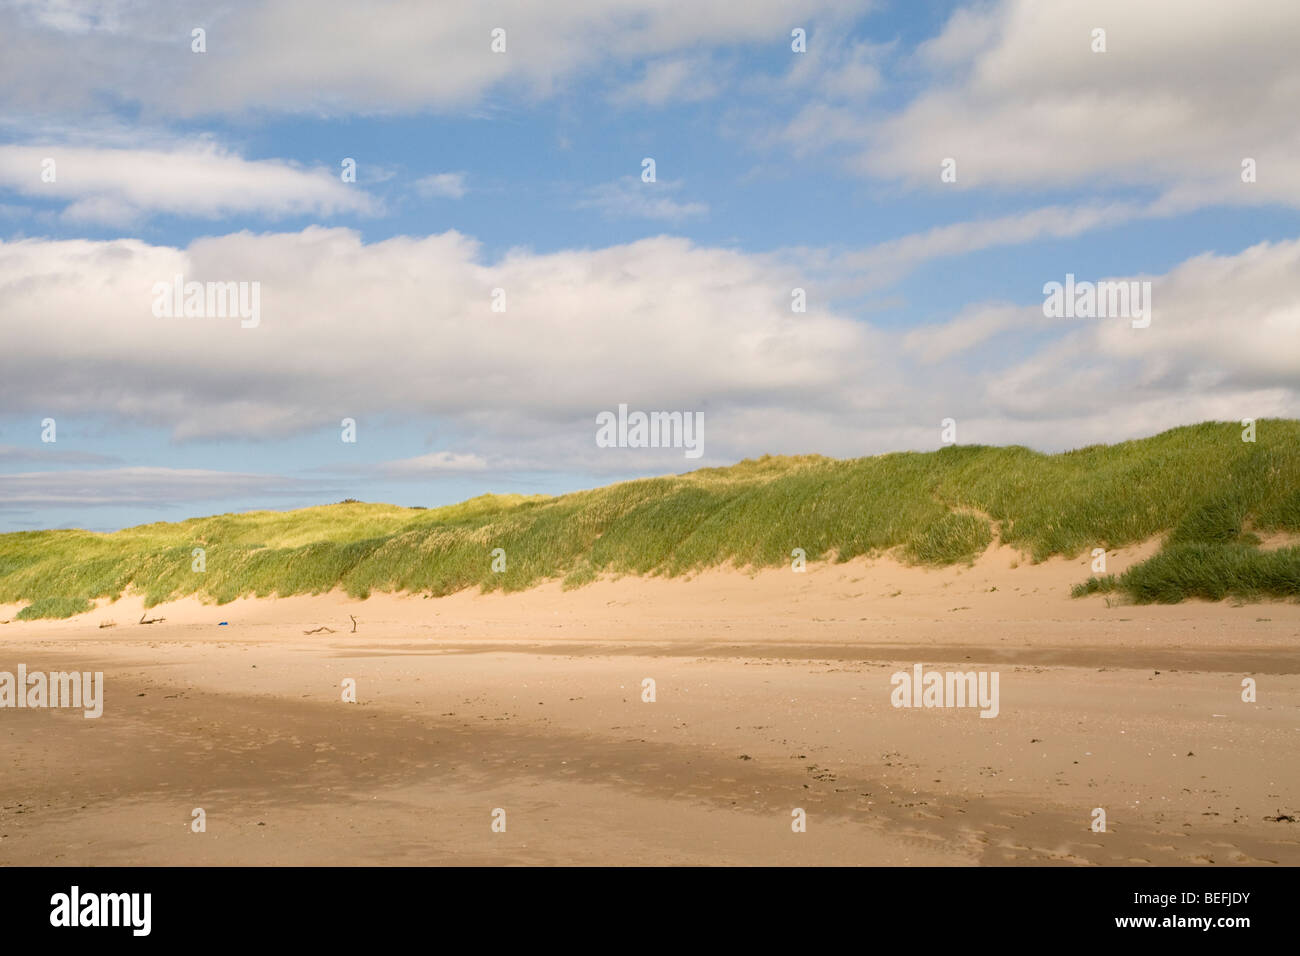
405	326
1224	343
349	329
412	55
1185	91
200	179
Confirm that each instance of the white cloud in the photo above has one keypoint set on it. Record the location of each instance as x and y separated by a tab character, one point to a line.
200	179
851	272
887	261
934	343
357	330
412	56
685	79
74	16
836	67
630	198
119	486
441	186
1185	91
404	326
1224	343
47	454
434	463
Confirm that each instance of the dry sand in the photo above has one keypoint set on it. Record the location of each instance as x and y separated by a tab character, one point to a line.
772	693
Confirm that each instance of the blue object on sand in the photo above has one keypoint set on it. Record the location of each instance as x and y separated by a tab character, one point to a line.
223	624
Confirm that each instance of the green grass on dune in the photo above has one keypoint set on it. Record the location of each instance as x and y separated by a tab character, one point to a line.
54	607
1204	569
1200	486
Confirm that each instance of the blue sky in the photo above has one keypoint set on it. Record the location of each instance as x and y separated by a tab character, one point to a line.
521	170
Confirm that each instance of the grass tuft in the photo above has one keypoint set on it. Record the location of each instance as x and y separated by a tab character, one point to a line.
54	607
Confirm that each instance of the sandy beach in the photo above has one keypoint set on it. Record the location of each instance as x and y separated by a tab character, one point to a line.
772	693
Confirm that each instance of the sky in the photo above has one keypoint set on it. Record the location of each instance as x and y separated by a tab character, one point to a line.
502	269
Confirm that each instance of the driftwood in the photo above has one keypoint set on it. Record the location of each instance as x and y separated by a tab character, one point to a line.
354	623
327	630
104	624
152	620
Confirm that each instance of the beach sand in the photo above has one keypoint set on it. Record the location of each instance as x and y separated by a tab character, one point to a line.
772	694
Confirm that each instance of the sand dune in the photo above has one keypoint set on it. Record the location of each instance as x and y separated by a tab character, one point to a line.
772	692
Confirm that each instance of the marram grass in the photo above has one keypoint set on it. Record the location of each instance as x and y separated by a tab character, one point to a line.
1201	487
54	607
